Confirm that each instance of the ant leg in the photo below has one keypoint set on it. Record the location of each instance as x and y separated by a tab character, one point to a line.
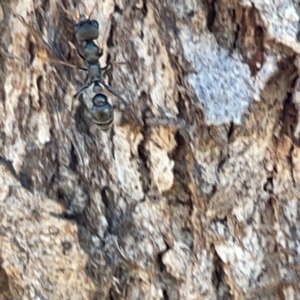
79	15
92	11
81	90
106	68
57	61
110	65
80	55
83	69
114	92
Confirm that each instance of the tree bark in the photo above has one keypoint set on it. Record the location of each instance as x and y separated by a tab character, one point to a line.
194	192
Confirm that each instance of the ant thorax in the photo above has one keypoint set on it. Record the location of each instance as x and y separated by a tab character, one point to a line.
94	72
91	52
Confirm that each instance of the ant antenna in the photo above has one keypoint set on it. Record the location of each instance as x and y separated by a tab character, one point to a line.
106	30
92	11
78	14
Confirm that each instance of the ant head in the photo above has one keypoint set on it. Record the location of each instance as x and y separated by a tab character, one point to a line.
87	30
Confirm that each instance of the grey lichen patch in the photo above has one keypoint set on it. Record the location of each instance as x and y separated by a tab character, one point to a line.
222	83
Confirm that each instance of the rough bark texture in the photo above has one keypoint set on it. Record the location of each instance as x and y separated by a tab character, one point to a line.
197	199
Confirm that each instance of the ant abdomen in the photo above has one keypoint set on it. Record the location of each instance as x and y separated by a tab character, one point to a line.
102	112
